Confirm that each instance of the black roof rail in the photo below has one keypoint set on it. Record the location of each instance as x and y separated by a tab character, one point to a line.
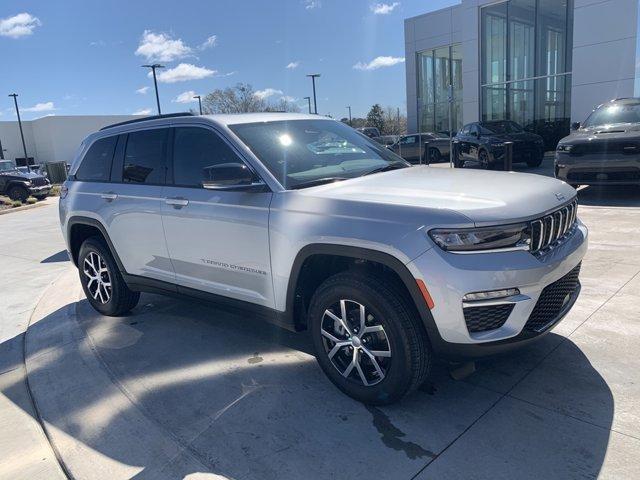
152	117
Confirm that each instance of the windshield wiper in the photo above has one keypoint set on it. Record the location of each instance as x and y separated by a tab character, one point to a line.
386	168
316	182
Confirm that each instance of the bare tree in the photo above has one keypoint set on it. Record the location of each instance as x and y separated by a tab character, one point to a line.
395	123
242	98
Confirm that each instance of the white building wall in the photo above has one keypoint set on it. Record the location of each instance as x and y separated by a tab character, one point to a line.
604	53
605	34
54	138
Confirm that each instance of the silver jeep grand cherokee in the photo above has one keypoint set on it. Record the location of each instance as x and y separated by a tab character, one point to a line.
315	227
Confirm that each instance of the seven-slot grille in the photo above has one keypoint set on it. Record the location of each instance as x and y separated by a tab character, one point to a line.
38	181
549	229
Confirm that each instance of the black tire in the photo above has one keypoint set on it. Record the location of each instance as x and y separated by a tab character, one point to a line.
432	156
388	307
536	162
120	298
484	159
18	192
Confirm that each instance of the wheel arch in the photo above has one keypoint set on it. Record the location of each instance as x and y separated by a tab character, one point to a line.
80	228
406	280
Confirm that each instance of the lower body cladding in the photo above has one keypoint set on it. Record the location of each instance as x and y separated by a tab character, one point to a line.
530	294
598	169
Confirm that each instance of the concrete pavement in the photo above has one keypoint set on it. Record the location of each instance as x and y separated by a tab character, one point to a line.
179	389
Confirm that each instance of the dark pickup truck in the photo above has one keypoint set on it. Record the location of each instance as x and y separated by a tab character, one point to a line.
19	185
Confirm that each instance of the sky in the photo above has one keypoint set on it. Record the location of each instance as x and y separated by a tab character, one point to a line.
74	57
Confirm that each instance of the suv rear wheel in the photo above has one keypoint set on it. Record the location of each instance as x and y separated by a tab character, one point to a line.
101	281
368	339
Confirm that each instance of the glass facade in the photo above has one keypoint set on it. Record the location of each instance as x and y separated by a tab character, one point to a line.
438	69
525	59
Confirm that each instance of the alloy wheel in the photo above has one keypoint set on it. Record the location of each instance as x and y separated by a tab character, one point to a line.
99	280
355	342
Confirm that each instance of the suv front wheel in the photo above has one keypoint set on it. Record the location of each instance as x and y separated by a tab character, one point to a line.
368	338
101	281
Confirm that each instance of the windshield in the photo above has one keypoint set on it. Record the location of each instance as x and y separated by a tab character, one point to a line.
6	166
300	152
616	113
499	128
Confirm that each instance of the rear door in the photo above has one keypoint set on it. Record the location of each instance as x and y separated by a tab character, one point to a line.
218	238
134	200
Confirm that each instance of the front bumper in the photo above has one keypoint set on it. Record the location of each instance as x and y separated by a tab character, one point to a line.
600	169
39	191
449	277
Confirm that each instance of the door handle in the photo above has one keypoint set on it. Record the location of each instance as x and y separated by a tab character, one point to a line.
177	202
109	196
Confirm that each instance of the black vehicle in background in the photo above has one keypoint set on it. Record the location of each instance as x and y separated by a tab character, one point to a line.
605	149
18	185
370	132
430	147
483	142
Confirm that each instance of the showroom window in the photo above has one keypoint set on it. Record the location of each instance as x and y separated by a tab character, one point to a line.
438	69
525	58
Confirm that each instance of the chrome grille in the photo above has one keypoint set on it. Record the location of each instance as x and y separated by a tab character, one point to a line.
545	232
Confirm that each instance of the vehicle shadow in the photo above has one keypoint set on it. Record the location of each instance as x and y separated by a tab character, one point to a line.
178	387
61	256
610	196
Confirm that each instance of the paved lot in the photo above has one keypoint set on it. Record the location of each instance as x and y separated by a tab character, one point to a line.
181	389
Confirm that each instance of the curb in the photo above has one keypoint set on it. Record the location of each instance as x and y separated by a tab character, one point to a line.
41	203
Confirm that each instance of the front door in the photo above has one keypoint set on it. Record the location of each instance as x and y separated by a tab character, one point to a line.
218	239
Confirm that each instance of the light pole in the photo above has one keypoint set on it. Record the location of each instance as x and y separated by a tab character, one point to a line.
199	102
313	82
24	145
155	82
349	107
308	99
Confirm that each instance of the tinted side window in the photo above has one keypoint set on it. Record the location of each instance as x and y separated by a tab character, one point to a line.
96	164
144	158
196	152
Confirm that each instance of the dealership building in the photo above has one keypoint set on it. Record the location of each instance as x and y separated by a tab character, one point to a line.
540	63
51	139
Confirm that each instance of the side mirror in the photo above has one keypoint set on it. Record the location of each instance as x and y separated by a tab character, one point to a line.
475	134
575	125
227	175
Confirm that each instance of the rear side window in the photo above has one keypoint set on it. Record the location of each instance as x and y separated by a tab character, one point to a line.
196	152
144	158
96	164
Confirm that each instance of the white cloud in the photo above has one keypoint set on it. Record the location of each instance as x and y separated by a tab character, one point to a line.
288	98
186	97
379	62
384	8
19	25
161	47
184	72
41	107
211	41
144	111
311	4
293	65
98	43
267	92
228	74
142	90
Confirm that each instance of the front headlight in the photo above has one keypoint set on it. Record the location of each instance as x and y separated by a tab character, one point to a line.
485	238
564	148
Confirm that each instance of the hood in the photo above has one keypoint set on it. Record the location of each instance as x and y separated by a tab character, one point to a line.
484	197
603	132
21	175
515	137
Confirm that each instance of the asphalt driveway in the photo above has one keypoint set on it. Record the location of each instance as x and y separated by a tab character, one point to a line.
181	389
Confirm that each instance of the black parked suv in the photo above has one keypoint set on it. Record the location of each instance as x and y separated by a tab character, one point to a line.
605	149
19	185
483	142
